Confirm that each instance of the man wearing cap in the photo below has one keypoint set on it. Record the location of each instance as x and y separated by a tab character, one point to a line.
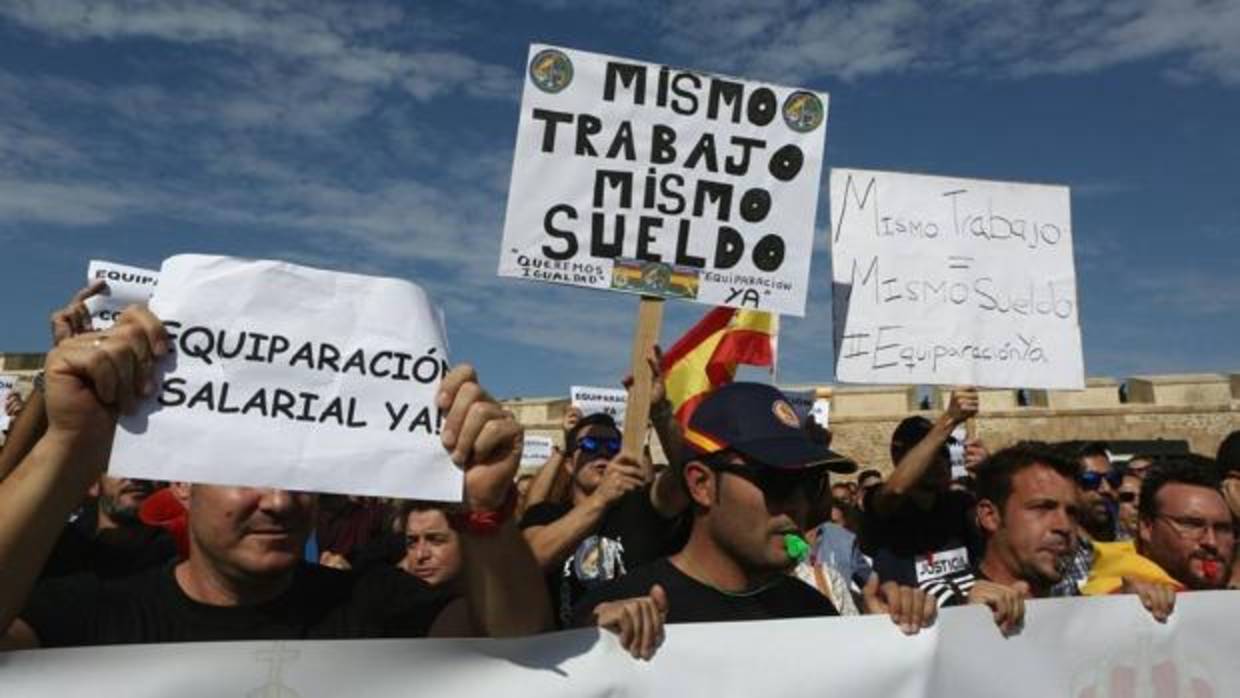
916	529
751	475
616	520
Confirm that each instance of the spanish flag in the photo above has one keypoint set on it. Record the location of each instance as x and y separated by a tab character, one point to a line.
707	356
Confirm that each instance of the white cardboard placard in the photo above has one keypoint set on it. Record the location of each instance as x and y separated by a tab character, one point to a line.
126	286
537	450
947	281
649	179
292	377
594	400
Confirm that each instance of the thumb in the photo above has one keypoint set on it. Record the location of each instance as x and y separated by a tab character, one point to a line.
1023	589
659	597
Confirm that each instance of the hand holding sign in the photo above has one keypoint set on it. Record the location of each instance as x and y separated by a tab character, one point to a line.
963	405
483	438
658	386
12	404
74	318
92	377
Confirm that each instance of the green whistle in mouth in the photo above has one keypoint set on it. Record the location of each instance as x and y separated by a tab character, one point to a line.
796	547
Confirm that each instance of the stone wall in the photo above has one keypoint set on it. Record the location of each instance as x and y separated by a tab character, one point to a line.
1198	408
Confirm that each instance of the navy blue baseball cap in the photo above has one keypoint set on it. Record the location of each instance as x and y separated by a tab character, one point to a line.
757	421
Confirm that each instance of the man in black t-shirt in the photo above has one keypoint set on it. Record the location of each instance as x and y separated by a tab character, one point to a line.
918	531
751	477
616	521
106	536
245	578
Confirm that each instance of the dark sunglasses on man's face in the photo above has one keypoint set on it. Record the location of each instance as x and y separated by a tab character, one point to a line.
1091	480
595	446
779	485
1127	497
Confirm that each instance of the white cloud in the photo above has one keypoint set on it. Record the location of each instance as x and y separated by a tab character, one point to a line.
334	42
61	203
797	41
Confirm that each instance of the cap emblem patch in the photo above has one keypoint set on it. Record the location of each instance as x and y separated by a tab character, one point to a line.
784	413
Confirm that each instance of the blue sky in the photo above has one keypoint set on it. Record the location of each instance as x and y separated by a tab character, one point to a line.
376	137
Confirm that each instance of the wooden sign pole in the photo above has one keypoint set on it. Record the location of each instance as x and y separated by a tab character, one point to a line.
637	409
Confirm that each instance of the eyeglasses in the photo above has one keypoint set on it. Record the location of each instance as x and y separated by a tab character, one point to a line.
1127	497
1195	528
1091	480
595	446
778	485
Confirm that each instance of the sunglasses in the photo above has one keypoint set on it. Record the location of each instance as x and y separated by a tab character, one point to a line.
778	485
595	446
1091	480
1127	497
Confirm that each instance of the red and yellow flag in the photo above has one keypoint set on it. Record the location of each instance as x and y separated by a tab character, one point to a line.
708	354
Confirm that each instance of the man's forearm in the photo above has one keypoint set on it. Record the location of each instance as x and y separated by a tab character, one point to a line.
504	586
913	466
552	543
668	430
35	502
544	480
24	432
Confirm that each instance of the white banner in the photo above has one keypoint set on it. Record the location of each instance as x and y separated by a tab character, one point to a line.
126	286
537	450
1070	648
292	377
591	400
651	179
944	281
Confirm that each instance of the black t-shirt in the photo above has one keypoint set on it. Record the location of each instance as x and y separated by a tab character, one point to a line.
690	601
322	603
934	549
110	553
630	533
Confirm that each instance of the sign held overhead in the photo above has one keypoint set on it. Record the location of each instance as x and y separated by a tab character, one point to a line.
947	281
650	179
291	377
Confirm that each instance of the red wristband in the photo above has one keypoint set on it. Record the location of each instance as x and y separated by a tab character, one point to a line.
486	523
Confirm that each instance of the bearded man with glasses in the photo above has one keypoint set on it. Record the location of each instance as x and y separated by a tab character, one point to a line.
616	519
1184	524
1184	538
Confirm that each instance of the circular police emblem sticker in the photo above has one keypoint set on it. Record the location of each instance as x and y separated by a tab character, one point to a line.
784	413
551	71
803	111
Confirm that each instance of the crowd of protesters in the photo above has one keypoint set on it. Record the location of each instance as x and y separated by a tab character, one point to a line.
742	523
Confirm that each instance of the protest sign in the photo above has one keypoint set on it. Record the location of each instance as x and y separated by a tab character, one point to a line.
945	281
1104	647
657	180
537	450
126	286
591	400
292	377
8	384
